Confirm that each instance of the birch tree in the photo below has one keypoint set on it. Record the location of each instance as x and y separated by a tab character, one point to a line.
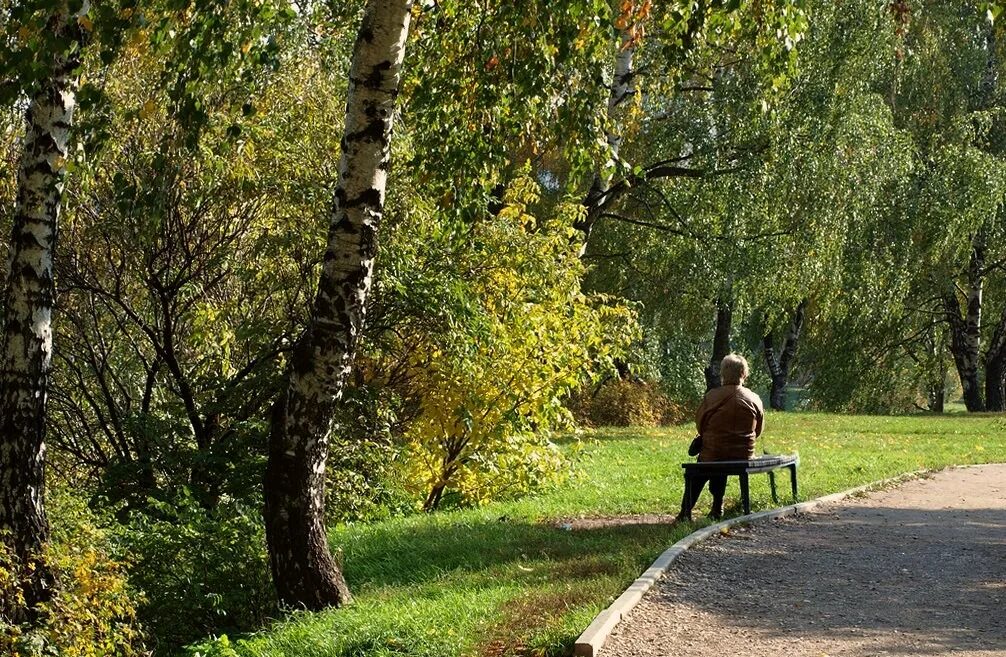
304	570
682	31
779	365
28	305
721	339
966	168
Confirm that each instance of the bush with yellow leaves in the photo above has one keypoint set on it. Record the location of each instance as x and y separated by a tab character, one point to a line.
93	613
489	377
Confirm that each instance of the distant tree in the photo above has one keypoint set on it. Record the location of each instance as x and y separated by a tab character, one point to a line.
949	97
769	195
780	359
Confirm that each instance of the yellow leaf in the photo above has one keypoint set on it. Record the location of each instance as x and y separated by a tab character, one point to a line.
148	109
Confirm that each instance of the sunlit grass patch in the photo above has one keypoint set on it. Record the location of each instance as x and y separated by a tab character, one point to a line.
502	580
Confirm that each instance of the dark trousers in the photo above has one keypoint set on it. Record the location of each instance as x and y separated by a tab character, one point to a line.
694	483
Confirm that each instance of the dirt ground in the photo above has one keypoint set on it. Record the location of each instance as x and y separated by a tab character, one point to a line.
916	570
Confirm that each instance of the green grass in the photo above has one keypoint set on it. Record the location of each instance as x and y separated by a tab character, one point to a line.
500	581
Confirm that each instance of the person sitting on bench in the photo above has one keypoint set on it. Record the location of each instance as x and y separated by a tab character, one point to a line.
728	420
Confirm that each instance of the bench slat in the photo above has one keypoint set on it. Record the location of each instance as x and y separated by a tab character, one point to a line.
772	462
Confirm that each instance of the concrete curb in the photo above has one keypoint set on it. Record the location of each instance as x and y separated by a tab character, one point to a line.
590	642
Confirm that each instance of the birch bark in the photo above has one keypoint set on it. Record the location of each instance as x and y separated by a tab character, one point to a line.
27	313
304	571
778	366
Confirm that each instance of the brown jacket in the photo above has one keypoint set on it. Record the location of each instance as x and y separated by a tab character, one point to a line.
729	419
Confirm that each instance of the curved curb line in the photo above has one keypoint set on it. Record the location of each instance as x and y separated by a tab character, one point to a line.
590	642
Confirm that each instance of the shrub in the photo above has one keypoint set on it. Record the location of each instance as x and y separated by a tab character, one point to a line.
626	403
506	334
364	474
94	611
201	571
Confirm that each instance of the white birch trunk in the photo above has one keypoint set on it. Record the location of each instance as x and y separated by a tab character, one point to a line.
303	569
27	313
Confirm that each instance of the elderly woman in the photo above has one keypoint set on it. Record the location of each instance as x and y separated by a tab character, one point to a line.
729	419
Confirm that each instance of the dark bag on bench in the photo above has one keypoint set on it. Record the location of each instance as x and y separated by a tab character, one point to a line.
696	446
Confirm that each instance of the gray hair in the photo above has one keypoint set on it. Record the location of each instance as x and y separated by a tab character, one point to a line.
733	369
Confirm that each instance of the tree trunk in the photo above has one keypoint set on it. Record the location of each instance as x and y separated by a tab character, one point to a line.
304	572
433	499
27	315
965	331
778	367
937	399
995	369
622	90
937	381
776	397
721	342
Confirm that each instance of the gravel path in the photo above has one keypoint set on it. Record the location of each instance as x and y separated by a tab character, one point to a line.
916	570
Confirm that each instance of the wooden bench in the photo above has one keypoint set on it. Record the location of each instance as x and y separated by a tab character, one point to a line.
741	469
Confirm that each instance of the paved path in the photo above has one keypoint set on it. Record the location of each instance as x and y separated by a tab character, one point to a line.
916	570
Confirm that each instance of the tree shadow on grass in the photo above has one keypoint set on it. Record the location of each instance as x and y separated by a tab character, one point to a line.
422	548
398	554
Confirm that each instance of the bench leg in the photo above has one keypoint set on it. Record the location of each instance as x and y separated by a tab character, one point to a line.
771	483
792	480
688	501
745	493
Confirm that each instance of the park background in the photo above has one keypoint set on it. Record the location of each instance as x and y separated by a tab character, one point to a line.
589	204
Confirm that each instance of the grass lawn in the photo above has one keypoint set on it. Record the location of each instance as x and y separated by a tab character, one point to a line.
498	581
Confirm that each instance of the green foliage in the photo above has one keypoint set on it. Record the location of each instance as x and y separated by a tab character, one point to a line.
186	277
219	646
884	347
200	571
94	612
489	90
854	371
366	461
860	191
829	152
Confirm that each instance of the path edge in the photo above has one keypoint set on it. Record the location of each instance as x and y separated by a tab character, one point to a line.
589	643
